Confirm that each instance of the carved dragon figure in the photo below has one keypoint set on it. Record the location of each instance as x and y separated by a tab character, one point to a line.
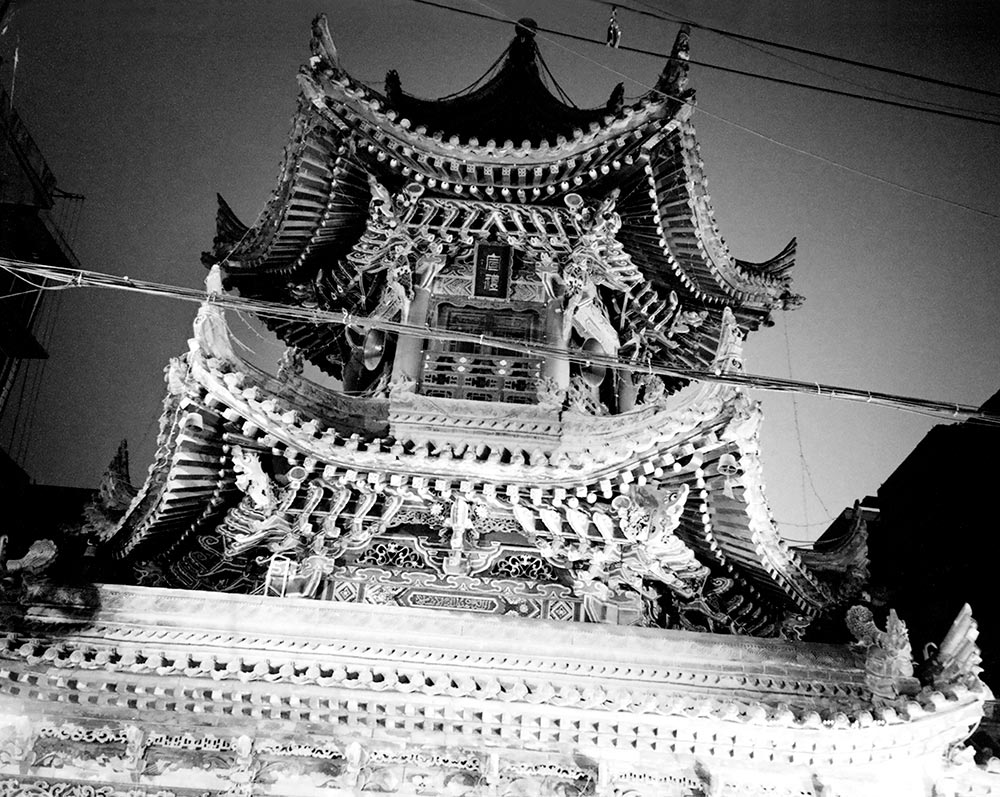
888	657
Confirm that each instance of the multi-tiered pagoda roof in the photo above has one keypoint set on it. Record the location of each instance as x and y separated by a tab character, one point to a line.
513	534
646	149
621	187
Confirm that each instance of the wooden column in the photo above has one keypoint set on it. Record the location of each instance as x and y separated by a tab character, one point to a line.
627	390
556	336
410	348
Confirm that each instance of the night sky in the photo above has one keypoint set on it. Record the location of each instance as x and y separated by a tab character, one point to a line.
150	108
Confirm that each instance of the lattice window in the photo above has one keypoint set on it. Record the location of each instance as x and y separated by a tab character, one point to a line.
467	370
481	377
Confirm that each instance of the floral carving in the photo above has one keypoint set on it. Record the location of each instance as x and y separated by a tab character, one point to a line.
13	787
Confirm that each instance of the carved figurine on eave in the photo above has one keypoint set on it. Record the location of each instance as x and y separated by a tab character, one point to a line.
888	657
114	496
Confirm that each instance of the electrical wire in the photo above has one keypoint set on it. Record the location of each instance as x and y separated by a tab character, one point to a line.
806	470
317	316
19	293
673	19
809	545
717	117
802	50
770	139
814	524
718	67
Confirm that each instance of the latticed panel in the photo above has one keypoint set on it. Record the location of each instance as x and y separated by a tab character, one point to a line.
481	377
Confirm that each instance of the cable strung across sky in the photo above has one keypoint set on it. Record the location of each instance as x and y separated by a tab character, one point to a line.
74	278
763	46
746	129
668	17
968	117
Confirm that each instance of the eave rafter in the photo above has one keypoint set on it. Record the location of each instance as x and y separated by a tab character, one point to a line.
316	208
449	168
668	220
190	483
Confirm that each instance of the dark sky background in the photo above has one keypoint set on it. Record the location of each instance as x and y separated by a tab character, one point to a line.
149	108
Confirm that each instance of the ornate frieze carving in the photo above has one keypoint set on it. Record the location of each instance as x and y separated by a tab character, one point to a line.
507	590
671	721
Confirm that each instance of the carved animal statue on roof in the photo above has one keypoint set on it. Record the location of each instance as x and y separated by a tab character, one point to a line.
888	657
116	490
176	376
39	556
290	364
114	496
252	480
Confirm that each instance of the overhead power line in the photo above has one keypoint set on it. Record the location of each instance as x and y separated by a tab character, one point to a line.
838	77
752	131
668	17
76	278
731	70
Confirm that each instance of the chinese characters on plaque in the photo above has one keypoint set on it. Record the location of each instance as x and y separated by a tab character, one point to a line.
493	265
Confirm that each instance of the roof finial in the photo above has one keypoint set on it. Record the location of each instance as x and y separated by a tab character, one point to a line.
617	99
674	77
393	86
525	28
321	44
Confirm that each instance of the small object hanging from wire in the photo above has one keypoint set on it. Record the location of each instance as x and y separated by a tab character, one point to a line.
614	29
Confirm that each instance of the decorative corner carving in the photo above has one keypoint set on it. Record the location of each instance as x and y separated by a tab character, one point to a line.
402	387
39	556
956	662
888	657
251	479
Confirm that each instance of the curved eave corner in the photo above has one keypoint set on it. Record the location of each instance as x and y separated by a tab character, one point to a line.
731	524
190	483
319	202
332	90
774	561
689	238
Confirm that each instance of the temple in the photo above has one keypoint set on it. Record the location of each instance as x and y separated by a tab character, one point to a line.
500	531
